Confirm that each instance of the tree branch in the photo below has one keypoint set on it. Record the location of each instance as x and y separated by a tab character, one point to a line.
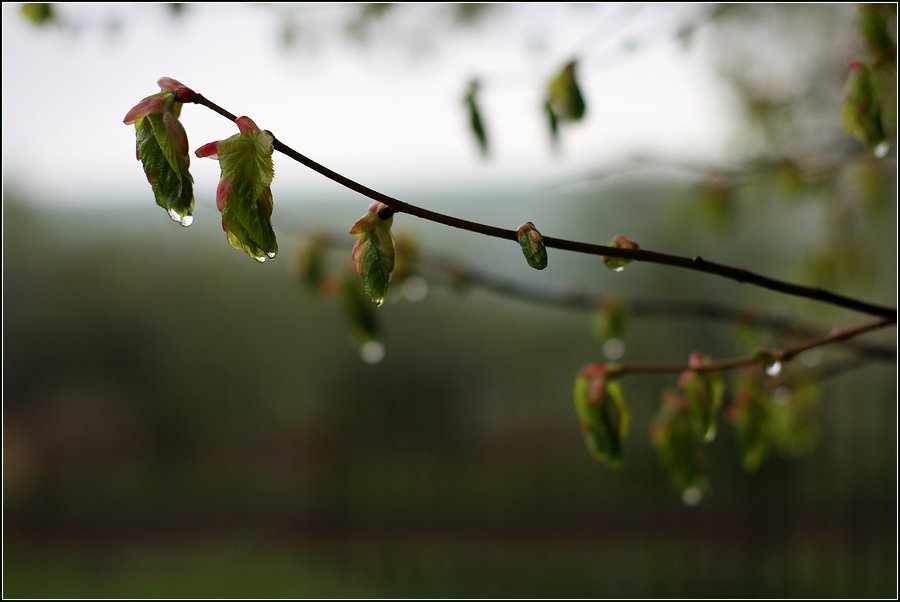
691	308
697	263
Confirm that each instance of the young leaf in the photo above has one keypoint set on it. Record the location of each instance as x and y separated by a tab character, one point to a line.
751	415
532	244
602	412
873	28
244	195
310	264
358	310
475	120
704	390
552	122
610	319
564	95
673	438
861	112
617	264
38	13
162	148
374	250
794	413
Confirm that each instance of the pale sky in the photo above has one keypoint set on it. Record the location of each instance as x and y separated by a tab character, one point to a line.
385	113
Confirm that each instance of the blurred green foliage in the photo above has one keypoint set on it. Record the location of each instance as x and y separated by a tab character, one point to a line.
209	430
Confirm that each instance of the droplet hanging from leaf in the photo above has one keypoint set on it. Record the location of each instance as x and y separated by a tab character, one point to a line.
602	412
374	250
162	149
532	244
244	195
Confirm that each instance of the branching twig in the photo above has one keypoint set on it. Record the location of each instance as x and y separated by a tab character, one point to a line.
697	263
779	355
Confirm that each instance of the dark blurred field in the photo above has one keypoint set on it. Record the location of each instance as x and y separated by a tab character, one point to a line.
180	421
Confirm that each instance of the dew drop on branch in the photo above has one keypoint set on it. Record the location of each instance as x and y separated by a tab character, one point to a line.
773	369
186	220
261	258
882	149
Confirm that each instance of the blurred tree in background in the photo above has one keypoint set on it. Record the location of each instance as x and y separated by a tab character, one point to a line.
208	431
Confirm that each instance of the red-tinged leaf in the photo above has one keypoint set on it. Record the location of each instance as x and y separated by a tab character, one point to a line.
244	195
373	251
161	148
672	435
704	390
602	412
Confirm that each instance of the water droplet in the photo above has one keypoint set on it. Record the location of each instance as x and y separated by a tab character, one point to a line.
372	352
773	369
174	215
782	396
270	254
613	349
414	289
261	258
881	151
692	496
620	268
187	220
378	302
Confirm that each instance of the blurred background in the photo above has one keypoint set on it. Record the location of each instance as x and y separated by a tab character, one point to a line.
180	421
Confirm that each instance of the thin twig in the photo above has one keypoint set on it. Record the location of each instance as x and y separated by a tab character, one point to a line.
777	355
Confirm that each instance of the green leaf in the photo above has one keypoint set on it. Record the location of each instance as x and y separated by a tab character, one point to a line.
564	95
310	264
358	309
861	112
617	264
602	412
162	150
244	195
552	122
751	415
476	123
873	28
374	250
37	13
795	421
532	244
704	390
673	438
610	319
